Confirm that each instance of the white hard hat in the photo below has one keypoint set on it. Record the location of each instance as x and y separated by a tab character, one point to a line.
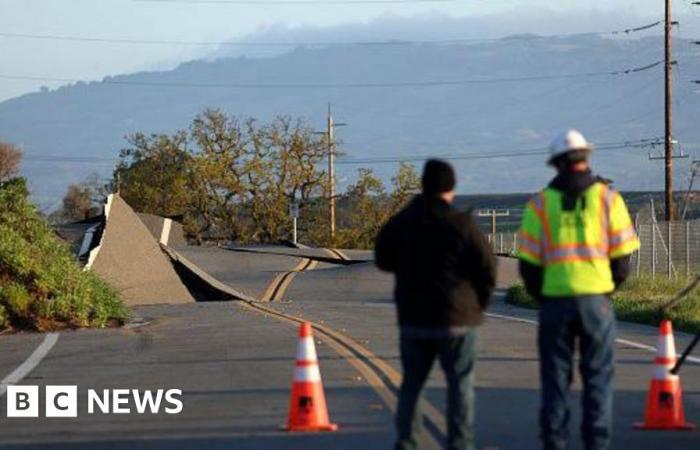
569	141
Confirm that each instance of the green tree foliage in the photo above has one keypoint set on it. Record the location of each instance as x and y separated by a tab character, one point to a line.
227	178
406	184
217	176
283	169
365	204
236	180
153	173
42	287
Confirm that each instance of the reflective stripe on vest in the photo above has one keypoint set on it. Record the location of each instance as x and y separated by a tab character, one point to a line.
576	243
555	251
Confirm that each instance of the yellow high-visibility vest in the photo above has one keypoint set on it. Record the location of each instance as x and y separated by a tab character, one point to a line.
575	247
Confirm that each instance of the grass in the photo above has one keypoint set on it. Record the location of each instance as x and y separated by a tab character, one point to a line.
42	287
638	300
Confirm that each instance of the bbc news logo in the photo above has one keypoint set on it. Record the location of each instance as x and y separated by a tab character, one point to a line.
62	401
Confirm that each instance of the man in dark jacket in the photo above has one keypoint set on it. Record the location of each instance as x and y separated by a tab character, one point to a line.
445	275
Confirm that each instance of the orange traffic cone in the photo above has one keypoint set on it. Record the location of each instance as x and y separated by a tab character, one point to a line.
307	407
664	403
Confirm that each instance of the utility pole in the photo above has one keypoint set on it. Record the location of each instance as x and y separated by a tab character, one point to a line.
331	175
330	136
494	214
668	138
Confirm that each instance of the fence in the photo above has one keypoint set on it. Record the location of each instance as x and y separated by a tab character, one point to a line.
667	248
503	243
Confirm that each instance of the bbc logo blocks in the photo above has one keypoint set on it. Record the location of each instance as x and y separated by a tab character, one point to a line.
59	401
22	401
62	401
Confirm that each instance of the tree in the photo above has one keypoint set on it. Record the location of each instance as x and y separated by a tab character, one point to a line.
406	184
153	174
77	204
282	168
228	178
10	157
83	200
217	176
366	211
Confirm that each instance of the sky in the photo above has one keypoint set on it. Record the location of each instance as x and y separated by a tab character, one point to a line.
218	21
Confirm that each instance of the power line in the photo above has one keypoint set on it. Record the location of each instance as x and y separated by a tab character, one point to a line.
352	85
293	2
493	155
640	143
388	42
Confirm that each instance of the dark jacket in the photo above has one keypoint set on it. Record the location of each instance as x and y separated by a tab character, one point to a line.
572	184
445	270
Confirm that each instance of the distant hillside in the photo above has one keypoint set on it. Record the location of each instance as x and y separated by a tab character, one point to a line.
90	120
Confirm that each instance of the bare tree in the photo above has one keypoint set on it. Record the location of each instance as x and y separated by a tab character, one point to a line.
77	204
83	200
10	157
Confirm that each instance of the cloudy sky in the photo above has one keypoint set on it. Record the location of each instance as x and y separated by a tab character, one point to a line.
38	56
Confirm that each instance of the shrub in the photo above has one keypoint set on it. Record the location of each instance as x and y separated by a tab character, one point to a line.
42	287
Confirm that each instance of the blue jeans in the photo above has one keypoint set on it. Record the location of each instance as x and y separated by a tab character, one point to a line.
457	357
563	320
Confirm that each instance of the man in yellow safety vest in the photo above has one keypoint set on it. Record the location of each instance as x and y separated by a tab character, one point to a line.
574	247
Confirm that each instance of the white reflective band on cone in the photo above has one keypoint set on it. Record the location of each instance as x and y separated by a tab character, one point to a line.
663	372
667	347
307	374
306	351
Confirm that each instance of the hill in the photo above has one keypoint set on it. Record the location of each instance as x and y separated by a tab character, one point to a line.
500	96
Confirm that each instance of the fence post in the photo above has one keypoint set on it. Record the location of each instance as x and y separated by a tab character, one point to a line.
515	243
500	243
687	249
669	258
653	251
639	250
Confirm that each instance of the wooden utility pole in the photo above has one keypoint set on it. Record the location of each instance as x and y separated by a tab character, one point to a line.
330	135
494	214
668	136
331	175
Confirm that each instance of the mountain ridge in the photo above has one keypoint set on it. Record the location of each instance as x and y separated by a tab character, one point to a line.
90	119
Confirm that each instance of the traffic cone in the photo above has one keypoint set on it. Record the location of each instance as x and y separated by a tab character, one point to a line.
307	407
664	409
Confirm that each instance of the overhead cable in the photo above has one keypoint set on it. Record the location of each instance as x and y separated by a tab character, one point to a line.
387	159
492	155
387	42
348	85
293	2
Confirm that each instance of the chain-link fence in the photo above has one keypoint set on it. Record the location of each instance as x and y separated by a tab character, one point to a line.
503	243
667	248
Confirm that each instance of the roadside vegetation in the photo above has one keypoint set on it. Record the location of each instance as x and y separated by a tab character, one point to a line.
639	300
42	287
233	179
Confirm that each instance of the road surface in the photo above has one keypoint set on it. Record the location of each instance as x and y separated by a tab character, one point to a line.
234	363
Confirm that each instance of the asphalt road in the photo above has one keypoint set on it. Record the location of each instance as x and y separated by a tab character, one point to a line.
234	366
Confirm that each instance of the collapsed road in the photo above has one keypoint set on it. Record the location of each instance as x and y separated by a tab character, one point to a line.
233	360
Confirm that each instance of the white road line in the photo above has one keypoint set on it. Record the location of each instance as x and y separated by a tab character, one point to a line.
165	232
511	318
30	364
634	344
